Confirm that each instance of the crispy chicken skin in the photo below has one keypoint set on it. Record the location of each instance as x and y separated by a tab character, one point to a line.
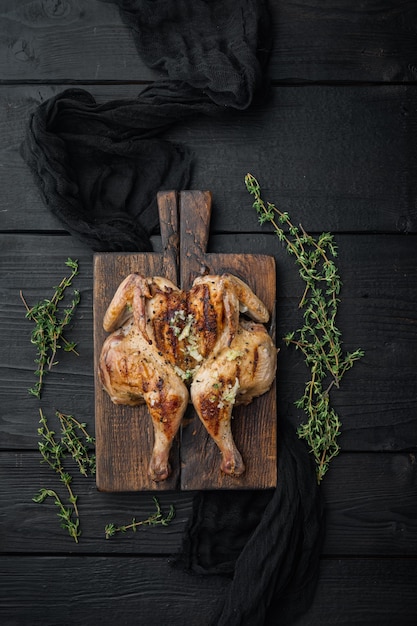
209	302
240	366
164	339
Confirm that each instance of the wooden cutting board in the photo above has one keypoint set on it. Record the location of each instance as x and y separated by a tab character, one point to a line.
124	435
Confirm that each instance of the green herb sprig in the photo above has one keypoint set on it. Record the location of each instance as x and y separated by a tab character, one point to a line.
65	513
158	518
47	335
52	452
74	440
319	339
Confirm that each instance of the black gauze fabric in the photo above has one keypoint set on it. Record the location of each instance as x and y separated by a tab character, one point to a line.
267	542
218	46
99	166
98	171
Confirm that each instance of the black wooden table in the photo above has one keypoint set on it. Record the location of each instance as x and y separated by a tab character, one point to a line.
335	146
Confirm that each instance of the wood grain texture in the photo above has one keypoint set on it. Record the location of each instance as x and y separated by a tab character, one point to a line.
339	159
375	514
376	511
72	39
367	592
341	41
103	590
85	40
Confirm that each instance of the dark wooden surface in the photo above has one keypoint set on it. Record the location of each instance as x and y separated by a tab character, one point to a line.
335	145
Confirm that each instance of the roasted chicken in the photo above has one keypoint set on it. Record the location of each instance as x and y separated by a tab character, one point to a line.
164	340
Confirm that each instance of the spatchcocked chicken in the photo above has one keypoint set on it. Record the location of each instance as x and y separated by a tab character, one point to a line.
168	347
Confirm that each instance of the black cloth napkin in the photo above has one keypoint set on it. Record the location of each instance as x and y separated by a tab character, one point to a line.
268	542
98	168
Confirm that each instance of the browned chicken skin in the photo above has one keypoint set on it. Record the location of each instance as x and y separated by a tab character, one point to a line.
164	339
240	365
133	368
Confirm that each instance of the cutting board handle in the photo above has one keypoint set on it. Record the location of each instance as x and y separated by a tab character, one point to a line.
195	214
170	235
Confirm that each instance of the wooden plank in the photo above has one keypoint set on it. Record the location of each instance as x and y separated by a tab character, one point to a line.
370	504
371	592
75	375
376	402
39	590
341	41
86	41
355	173
319	152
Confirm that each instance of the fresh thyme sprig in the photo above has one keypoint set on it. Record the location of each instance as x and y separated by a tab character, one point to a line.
319	339
74	439
49	326
52	452
156	519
